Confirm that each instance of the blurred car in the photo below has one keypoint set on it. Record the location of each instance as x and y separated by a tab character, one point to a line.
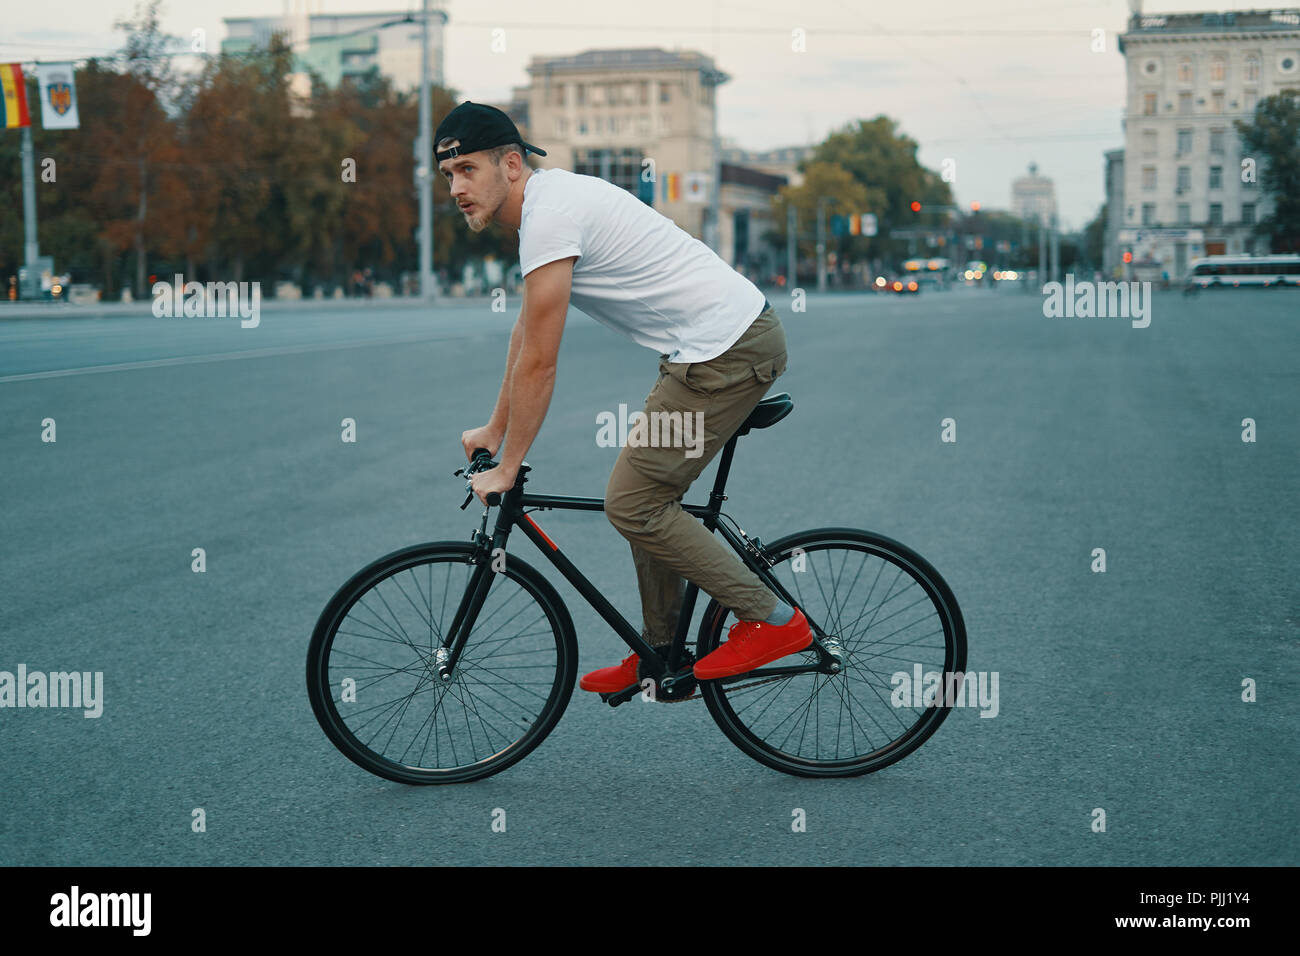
933	272
897	284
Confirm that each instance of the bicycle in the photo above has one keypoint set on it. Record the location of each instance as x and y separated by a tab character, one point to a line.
383	660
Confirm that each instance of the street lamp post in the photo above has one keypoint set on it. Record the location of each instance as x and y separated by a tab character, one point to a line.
714	78
791	263
1043	249
1056	249
31	244
424	166
821	243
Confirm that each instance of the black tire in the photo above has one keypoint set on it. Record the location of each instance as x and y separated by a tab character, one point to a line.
338	651
882	561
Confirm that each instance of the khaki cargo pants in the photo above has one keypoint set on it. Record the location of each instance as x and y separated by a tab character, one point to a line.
644	494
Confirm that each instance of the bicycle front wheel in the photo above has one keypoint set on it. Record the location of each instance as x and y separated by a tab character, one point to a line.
891	613
372	667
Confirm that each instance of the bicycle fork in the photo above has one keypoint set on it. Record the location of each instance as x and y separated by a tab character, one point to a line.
448	654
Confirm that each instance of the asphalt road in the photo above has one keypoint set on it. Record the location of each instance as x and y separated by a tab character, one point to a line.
1119	690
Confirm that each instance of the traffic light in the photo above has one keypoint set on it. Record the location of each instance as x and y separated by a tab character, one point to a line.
1128	256
975	206
916	206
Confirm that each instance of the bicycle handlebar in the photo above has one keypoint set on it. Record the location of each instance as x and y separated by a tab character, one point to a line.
481	460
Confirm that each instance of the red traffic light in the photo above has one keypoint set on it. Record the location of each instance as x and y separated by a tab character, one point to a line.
975	206
916	206
1128	257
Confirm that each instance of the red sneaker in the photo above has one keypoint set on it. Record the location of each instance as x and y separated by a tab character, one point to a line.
609	680
752	644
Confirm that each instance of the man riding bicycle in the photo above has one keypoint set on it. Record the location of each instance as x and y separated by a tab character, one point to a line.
585	241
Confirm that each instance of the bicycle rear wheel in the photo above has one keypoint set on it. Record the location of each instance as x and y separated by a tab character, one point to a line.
891	612
372	667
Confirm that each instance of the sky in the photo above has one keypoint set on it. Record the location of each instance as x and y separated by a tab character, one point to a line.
991	84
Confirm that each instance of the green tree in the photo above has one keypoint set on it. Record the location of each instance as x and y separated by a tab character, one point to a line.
144	145
101	209
247	143
1272	138
1094	238
378	213
883	160
842	195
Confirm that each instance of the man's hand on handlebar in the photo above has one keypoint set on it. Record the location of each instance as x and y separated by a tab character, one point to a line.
485	479
485	436
498	479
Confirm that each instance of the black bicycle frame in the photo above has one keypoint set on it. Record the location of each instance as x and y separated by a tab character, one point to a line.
512	513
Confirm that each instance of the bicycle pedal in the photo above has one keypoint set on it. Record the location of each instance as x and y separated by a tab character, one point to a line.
621	696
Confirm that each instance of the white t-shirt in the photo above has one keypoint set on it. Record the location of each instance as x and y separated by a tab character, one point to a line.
637	271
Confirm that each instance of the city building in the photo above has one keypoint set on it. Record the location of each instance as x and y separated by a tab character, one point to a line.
340	45
1190	76
746	202
783	161
1033	197
643	118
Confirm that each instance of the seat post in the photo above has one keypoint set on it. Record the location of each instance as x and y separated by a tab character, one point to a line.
716	497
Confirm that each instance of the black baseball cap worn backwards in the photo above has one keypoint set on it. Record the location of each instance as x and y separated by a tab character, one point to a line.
478	126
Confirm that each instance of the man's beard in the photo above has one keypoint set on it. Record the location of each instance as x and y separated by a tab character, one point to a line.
482	218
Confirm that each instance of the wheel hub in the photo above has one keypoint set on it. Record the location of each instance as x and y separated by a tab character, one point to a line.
836	650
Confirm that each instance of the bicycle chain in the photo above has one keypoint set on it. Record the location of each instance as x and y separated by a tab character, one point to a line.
697	694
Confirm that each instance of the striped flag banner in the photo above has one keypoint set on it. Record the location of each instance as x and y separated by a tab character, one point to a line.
15	96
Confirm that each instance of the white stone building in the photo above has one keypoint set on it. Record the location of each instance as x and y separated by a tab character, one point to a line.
337	46
1033	197
1189	77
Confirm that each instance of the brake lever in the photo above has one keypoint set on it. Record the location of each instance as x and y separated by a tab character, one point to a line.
469	472
464	472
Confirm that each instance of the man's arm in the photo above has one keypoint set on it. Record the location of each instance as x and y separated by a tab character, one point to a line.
501	414
532	377
490	436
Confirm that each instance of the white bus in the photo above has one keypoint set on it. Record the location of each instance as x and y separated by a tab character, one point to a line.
1231	272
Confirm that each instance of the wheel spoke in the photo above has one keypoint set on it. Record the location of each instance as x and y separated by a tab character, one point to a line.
502	691
818	722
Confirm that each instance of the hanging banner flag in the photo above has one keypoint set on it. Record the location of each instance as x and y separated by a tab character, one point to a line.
15	96
697	187
58	96
672	187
